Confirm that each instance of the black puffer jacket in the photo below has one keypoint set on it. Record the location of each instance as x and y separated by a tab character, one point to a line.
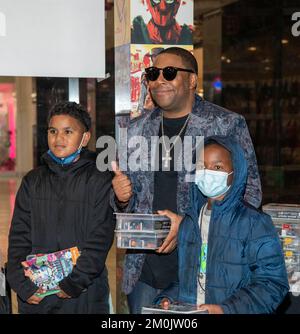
58	207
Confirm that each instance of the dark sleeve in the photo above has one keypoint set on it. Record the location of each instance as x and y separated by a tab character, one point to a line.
268	283
99	239
117	206
20	244
253	194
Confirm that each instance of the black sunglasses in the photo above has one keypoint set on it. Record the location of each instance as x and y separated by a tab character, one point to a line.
169	72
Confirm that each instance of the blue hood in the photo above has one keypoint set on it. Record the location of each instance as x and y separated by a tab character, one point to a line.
240	173
245	271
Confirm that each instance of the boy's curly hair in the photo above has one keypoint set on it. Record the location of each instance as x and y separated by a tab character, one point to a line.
72	109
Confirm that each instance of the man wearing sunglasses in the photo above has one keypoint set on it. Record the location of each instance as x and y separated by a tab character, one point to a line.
172	82
162	27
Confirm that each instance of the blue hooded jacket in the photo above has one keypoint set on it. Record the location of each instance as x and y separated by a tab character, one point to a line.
245	265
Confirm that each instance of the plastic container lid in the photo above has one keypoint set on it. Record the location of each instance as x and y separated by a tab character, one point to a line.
144	216
282	207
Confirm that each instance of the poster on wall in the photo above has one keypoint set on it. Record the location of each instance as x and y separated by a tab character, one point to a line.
155	26
121	22
162	22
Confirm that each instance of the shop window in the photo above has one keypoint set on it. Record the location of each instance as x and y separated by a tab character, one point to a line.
7	128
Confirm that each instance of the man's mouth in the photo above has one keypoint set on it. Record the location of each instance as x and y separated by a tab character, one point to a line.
162	91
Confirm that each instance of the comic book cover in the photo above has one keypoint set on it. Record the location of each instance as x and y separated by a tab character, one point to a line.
47	270
162	22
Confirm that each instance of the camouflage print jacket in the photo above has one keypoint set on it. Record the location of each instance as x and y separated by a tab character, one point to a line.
206	119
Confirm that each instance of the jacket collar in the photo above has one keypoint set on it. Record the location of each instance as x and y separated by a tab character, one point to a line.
86	158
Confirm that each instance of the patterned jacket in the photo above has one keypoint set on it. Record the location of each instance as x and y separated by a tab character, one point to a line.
206	119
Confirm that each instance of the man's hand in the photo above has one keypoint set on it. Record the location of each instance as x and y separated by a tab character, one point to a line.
121	184
171	239
62	294
211	308
34	299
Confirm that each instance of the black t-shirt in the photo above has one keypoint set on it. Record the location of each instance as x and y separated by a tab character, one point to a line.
160	270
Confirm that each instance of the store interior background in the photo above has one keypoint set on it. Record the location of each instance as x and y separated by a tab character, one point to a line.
249	63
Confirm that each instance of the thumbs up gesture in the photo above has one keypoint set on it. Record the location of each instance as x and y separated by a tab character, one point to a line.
121	184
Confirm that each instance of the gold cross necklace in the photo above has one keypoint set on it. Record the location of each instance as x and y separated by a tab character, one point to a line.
167	157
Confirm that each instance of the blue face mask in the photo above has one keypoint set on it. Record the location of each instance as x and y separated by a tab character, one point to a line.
212	183
70	158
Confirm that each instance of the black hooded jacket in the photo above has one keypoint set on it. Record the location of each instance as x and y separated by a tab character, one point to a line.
58	207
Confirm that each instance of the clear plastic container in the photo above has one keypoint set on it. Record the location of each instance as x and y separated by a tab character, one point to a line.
282	211
286	219
140	240
142	222
294	282
292	263
173	308
286	228
291	243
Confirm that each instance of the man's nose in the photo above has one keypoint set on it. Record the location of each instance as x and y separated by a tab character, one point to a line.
161	77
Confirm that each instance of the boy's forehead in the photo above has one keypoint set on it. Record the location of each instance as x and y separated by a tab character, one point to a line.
65	121
216	149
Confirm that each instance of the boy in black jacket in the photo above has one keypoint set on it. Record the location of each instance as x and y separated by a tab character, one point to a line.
62	204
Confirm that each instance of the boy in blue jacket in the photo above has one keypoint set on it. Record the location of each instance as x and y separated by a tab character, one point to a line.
230	257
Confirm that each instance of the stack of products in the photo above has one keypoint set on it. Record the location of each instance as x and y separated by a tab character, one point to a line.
173	308
47	270
141	231
286	218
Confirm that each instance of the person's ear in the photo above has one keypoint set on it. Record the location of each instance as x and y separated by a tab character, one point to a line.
230	180
193	81
86	138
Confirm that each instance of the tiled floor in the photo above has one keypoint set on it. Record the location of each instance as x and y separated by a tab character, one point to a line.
8	189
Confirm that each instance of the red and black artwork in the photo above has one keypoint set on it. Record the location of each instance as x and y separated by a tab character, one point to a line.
162	27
